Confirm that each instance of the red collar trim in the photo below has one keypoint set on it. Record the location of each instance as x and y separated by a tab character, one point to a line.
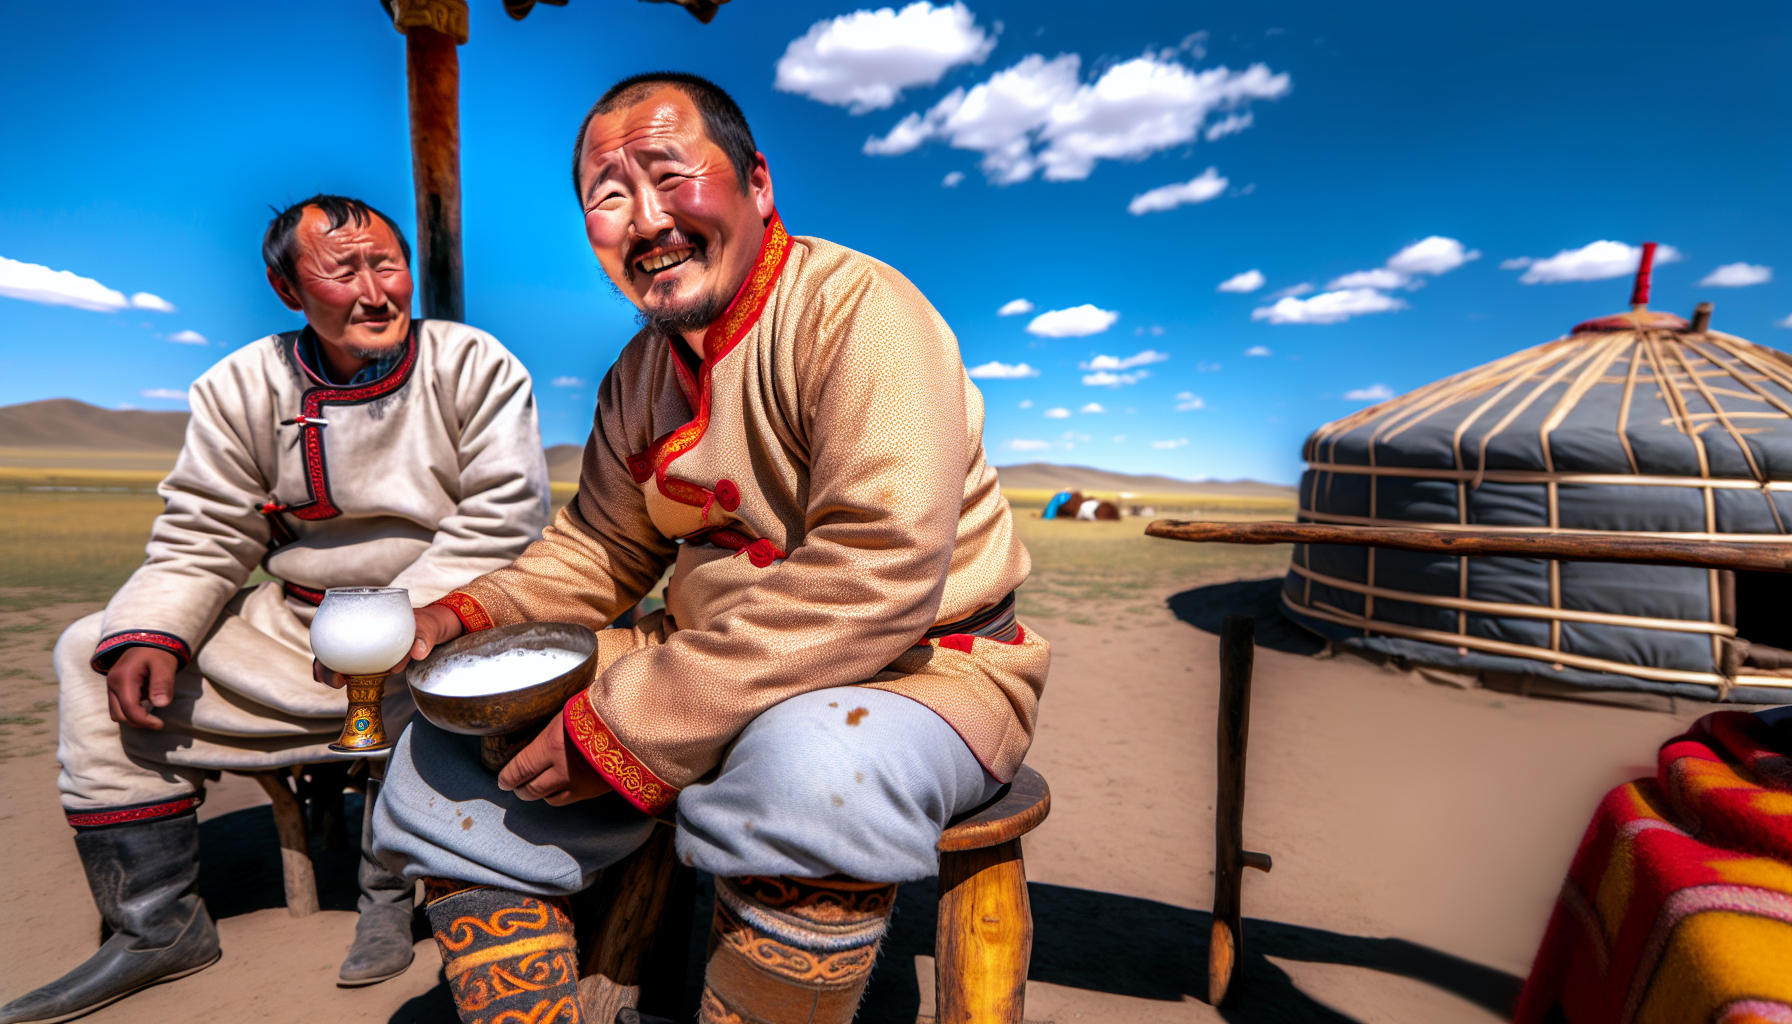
721	337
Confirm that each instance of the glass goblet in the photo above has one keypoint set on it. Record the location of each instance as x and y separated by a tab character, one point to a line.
361	632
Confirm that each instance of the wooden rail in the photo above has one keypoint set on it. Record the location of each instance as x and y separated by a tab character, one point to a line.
1578	547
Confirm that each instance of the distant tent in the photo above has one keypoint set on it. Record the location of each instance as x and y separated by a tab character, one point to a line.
1638	423
1072	505
1052	506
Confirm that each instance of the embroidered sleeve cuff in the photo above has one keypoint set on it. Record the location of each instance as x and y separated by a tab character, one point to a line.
621	769
116	644
471	614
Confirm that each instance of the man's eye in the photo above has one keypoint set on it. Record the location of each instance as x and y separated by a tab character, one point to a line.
673	180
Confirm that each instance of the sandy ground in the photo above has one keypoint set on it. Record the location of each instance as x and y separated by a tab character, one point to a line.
1419	834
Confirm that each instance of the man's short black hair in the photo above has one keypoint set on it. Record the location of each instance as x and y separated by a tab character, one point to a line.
280	247
723	121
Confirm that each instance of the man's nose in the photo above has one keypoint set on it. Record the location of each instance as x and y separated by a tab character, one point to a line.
650	217
368	288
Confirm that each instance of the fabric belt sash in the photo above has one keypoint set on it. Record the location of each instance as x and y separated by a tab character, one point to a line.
997	622
305	594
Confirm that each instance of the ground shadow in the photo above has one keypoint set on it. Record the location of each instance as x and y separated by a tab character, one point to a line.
1205	607
239	862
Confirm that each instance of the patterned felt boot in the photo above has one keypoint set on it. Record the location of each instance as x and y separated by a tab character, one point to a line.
792	950
508	956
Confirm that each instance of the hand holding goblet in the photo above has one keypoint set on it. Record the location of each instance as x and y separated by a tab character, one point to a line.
363	633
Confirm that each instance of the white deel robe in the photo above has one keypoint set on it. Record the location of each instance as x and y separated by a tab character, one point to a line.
423	479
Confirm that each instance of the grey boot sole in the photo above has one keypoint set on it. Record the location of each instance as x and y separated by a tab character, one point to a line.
342	982
109	1000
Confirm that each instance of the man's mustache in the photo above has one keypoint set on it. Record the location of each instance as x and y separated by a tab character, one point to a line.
669	239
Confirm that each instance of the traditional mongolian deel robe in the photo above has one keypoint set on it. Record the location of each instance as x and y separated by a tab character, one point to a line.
421	479
819	486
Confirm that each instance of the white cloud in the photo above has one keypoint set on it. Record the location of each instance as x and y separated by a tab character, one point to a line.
1036	116
1433	255
1372	393
1092	407
1057	414
1595	261
1198	189
153	303
1784	323
1258	350
188	337
1026	403
1075	322
1106	379
994	370
1119	439
1249	281
1206	367
1737	275
952	179
1380	277
1295	290
1328	307
36	283
1232	125
1188	401
173	394
865	59
1145	358
1178	443
1030	446
1071	435
1015	307
1516	263
569	382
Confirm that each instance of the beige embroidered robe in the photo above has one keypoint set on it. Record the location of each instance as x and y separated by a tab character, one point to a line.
820	487
422	479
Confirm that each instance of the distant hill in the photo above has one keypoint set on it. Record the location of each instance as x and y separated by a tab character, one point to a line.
68	424
1046	476
563	462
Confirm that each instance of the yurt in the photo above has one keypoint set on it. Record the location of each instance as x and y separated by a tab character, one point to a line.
1638	423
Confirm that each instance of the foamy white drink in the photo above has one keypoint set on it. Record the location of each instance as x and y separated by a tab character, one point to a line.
363	631
474	676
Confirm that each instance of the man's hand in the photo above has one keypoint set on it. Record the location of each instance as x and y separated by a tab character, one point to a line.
125	685
435	625
549	769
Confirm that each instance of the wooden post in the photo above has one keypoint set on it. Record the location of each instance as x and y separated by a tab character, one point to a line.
1701	318
295	847
433	29
631	896
1237	651
986	931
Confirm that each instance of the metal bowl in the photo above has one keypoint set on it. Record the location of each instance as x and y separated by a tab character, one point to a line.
510	719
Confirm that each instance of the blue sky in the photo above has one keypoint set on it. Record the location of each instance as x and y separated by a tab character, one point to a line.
141	145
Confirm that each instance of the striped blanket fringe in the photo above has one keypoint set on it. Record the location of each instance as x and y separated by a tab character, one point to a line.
1678	906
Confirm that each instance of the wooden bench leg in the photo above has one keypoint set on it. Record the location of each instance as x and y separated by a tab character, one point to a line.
295	847
631	896
984	939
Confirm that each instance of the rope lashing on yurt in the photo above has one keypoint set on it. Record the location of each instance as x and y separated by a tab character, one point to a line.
1597	434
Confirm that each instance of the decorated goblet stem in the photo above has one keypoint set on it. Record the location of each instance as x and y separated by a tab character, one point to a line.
363	731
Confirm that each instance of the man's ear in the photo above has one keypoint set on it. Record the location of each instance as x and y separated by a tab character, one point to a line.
283	288
759	182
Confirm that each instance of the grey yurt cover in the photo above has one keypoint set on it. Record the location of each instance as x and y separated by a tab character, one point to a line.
1637	423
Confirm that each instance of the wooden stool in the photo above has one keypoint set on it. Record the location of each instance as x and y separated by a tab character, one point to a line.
984	938
982	943
290	789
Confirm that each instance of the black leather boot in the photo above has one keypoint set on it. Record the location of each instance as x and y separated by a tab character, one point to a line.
145	878
382	949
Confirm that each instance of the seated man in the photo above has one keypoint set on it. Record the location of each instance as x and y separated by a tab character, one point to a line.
838	670
364	450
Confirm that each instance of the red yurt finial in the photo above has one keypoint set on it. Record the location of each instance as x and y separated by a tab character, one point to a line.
1639	295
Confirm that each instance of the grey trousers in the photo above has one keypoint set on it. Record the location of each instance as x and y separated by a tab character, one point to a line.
809	789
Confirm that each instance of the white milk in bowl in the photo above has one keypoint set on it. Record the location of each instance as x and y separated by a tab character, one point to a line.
482	676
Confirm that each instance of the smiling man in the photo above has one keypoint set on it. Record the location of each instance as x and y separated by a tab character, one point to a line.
838	670
364	450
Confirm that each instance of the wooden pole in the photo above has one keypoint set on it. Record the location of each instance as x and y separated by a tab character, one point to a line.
433	30
1237	651
632	896
985	931
1572	547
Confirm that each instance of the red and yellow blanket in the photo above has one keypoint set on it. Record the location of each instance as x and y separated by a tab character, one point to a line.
1678	907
